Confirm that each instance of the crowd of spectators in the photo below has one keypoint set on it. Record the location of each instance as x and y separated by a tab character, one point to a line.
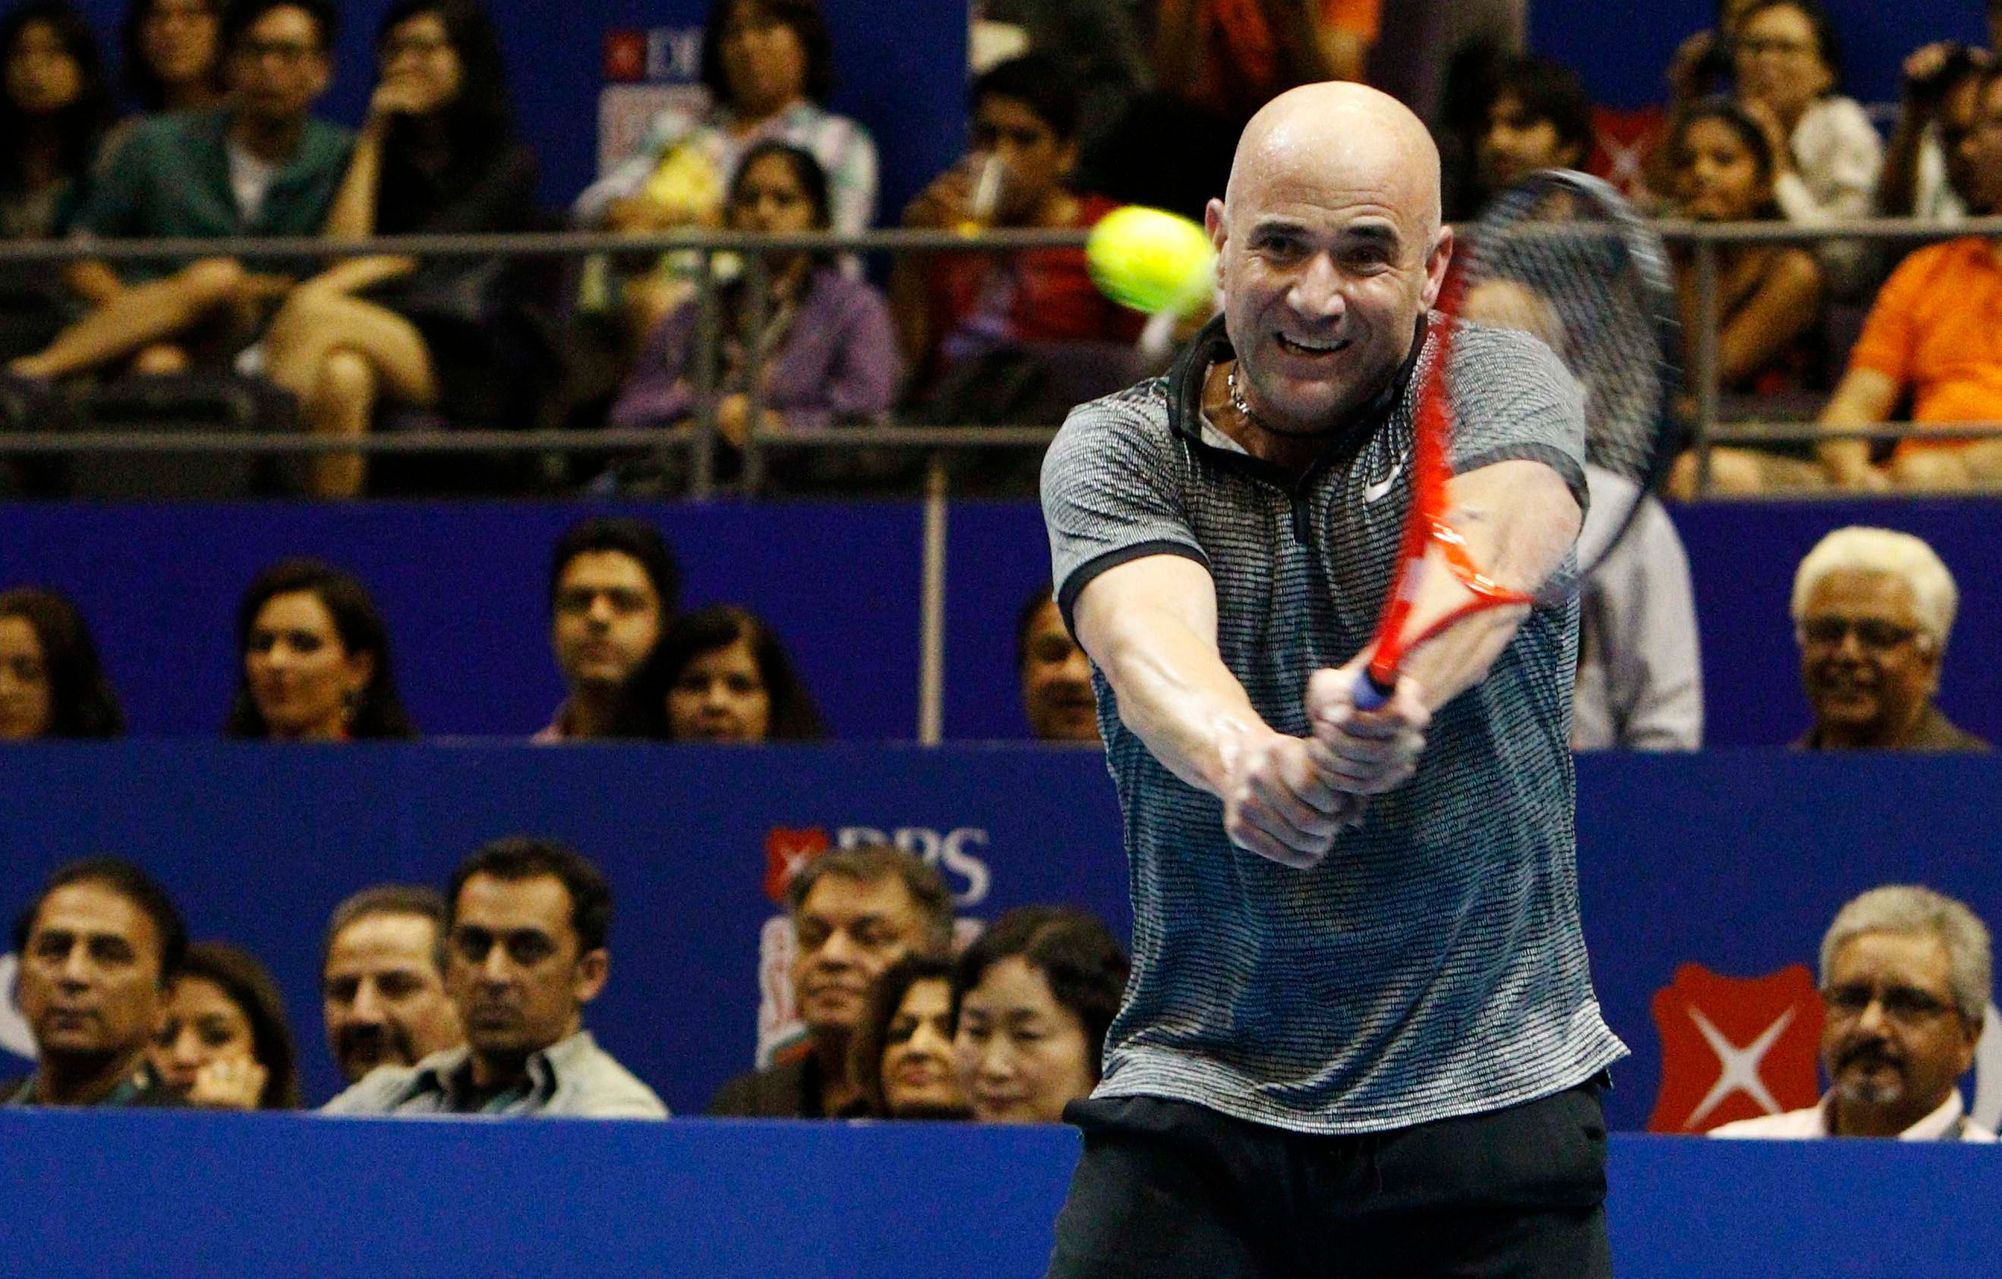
1072	110
474	1001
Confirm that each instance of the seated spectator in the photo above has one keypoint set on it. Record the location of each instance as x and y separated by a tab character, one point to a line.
224	1042
54	109
436	155
527	936
1768	299
315	660
382	981
721	675
1905	981
613	586
51	682
854	913
826	352
1640	665
1098	43
769	69
902	1058
1538	118
99	948
1826	153
1872	609
1925	165
1929	339
258	165
953	307
1056	675
1032	1000
173	55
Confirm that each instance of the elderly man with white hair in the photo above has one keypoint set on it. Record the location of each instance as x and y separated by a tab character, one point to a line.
1872	609
1905	981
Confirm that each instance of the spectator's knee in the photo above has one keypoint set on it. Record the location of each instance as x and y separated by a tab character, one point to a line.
346	377
212	281
160	360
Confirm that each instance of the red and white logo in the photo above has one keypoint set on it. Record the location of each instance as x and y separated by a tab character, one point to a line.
1735	1048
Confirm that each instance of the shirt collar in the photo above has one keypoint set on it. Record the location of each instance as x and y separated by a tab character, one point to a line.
450	1072
1190	375
1943	1124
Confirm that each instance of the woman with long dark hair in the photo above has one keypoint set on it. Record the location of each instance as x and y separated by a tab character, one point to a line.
54	111
225	1042
720	674
314	660
53	114
437	155
51	682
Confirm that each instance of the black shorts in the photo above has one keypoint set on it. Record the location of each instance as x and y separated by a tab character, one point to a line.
1167	1188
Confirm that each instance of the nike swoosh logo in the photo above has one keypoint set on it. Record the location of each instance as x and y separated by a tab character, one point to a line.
1375	492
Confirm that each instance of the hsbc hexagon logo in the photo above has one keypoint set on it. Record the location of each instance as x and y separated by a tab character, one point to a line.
1735	1048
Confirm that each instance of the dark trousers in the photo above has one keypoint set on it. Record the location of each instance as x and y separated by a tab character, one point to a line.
1167	1188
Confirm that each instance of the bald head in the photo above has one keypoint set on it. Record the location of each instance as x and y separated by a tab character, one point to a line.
1329	250
1337	135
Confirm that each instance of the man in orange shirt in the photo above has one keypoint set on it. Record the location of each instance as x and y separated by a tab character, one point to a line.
1935	334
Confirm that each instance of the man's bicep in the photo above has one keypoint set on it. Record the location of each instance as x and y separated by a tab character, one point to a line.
1519	516
1140	599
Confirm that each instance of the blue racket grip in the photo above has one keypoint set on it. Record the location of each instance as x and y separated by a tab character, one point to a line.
1369	695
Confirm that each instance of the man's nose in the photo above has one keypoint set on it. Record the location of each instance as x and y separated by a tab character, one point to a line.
1318	291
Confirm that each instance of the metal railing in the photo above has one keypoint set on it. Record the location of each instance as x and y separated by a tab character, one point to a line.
700	447
1706	240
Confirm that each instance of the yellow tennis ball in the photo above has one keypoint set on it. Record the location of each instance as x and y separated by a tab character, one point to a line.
1151	260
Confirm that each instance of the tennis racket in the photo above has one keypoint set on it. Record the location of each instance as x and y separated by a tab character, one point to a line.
1561	256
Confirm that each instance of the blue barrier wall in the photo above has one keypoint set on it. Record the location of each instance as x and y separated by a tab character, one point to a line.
125	1194
1732	861
463	587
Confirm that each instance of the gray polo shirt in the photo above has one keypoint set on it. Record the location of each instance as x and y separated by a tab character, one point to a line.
1433	964
573	1077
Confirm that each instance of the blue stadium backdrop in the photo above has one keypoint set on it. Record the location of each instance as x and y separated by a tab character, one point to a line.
1706	880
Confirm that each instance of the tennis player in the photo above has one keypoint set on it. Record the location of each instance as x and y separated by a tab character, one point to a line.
1360	1037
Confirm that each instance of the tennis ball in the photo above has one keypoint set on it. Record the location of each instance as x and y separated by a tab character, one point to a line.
1151	260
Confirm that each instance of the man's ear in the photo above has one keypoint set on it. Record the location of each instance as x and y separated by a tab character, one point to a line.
594	969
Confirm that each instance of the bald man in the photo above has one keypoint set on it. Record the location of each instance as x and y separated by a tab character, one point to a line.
1360	1037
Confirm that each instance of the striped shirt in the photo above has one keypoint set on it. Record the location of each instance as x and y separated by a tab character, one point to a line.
1433	964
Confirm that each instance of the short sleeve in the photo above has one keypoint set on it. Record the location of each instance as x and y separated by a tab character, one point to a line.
1112	492
1515	400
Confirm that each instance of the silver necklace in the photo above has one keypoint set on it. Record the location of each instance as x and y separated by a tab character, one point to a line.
1243	410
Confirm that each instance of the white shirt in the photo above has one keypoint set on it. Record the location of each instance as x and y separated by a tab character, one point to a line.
250	181
1837	156
1948	1123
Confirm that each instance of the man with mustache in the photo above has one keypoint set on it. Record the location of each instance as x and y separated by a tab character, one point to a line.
99	948
854	913
1905	980
1872	609
526	950
382	980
